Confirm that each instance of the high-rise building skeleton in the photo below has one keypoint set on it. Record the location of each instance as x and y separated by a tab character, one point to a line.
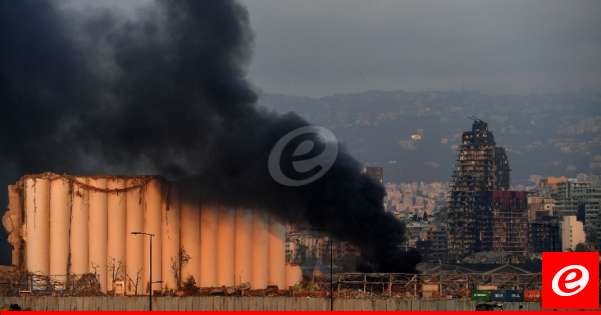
480	169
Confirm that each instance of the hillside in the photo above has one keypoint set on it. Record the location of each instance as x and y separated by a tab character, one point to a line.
548	134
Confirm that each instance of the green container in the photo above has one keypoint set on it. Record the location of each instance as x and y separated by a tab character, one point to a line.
480	296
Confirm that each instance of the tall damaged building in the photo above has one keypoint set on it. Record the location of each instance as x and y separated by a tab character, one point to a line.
480	169
510	221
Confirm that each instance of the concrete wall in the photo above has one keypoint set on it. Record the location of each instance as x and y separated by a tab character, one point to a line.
217	303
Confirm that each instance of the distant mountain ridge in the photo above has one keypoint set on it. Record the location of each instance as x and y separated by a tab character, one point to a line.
547	134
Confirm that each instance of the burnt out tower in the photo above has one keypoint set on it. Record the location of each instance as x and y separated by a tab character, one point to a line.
481	168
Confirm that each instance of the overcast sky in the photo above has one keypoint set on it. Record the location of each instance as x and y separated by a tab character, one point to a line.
321	47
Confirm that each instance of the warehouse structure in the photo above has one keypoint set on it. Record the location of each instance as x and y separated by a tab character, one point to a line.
61	226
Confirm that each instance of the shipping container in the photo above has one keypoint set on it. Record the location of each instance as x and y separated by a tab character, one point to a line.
430	290
481	296
507	296
430	287
514	296
532	295
497	296
487	287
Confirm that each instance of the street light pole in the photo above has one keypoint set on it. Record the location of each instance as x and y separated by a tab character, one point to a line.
150	267
150	277
331	275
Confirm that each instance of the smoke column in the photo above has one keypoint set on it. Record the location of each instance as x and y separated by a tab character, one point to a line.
166	93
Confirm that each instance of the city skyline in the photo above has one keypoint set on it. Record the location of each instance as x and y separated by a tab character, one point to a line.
414	135
289	154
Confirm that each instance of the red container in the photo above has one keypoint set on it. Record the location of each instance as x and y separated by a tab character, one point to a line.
532	295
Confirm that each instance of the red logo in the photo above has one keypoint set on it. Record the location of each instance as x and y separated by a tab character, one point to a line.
570	280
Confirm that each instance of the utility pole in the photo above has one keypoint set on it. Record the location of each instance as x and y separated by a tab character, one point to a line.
331	275
150	267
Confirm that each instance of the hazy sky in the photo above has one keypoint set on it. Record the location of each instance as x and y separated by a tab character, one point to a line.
321	47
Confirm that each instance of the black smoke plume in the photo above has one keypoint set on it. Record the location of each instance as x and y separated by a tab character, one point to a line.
165	92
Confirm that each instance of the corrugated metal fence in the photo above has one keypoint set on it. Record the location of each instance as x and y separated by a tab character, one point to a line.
217	303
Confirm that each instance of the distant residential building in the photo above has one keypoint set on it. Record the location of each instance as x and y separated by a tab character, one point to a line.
581	197
544	234
435	246
480	169
510	221
305	246
571	195
416	231
572	233
377	173
406	200
540	206
502	170
417	137
548	186
592	215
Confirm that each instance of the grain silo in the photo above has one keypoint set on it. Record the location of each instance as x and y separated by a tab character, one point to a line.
62	226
